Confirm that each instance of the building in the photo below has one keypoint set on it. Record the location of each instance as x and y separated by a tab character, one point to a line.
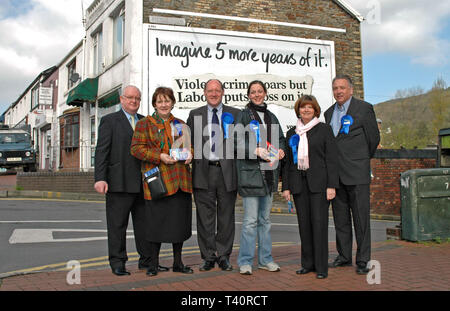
34	107
296	45
68	147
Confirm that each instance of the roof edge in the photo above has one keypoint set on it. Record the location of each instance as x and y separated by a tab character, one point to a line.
46	73
348	8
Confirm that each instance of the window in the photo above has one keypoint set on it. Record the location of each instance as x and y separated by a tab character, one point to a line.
93	131
92	141
119	34
71	69
71	131
48	143
35	97
97	52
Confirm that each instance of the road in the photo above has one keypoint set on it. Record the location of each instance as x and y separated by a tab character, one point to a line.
38	235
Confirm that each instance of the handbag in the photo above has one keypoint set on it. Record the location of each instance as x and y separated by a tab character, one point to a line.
155	183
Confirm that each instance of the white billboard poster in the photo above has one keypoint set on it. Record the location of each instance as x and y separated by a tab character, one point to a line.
185	58
45	95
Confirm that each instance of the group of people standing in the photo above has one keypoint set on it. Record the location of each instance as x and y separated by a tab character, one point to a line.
319	163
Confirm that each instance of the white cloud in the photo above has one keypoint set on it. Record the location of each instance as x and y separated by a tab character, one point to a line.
408	27
39	33
35	40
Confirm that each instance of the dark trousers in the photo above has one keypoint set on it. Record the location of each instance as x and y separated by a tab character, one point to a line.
355	198
155	247
215	217
118	209
312	215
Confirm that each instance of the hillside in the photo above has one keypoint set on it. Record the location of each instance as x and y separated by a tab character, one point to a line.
414	121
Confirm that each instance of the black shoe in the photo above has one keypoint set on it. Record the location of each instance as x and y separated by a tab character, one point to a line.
162	269
120	271
322	275
225	265
362	269
152	272
207	265
183	269
304	271
142	267
339	263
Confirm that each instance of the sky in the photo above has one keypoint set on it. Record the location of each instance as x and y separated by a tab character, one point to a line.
405	43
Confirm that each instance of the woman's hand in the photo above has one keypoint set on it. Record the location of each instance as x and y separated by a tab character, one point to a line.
331	194
286	195
189	158
262	153
167	159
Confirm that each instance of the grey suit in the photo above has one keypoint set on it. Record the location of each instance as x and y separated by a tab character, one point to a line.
215	189
354	152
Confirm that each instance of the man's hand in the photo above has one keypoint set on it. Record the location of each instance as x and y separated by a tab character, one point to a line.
331	194
101	187
286	195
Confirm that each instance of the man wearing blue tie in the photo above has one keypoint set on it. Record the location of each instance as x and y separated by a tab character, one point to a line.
357	137
214	179
118	176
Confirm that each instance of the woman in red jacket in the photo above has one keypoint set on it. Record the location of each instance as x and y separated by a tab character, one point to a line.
169	218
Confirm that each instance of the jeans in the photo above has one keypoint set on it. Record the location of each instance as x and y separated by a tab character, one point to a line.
256	224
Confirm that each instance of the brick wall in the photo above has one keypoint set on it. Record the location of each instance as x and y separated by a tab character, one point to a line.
312	12
78	182
387	165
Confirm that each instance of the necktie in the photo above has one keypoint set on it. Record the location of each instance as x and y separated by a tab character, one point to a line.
215	120
133	125
337	122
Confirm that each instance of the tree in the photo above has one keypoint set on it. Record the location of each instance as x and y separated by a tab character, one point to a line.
440	106
439	84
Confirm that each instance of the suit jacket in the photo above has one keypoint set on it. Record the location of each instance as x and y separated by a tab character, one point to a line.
200	142
113	160
357	147
323	164
146	146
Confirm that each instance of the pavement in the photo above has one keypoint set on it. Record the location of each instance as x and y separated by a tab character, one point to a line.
398	265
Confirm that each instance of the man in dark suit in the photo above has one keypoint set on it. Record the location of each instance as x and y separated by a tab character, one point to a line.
118	176
214	179
357	136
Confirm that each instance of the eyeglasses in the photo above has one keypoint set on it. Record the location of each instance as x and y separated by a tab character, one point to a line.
138	99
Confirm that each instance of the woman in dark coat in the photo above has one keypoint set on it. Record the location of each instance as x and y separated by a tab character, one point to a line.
310	174
257	177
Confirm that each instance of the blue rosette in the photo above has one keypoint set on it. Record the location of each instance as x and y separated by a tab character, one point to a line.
254	126
227	119
293	143
346	122
178	126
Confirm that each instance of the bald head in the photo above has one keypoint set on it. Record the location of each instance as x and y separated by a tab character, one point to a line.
131	99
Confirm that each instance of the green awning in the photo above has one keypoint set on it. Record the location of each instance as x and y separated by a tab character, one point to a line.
86	91
109	100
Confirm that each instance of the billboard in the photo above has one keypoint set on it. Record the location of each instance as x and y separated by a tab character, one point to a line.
185	58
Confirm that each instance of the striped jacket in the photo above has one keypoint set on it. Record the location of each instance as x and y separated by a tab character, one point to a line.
146	146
